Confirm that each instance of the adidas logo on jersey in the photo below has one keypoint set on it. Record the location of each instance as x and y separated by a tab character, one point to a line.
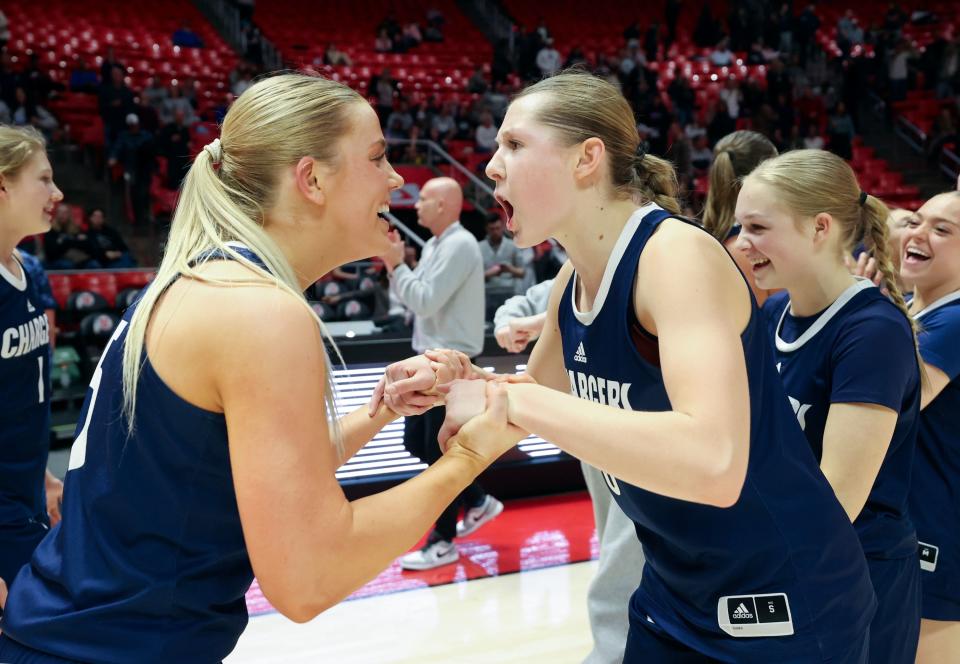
580	355
30	307
743	612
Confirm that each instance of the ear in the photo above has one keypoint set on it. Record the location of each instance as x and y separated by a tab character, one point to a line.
822	227
589	159
308	174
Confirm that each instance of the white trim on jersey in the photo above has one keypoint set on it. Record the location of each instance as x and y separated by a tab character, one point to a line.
629	230
825	317
20	283
943	301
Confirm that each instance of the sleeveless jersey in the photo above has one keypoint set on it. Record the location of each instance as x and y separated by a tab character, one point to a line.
24	395
780	575
858	350
934	495
149	563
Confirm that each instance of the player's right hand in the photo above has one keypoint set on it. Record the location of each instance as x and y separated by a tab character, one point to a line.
3	593
477	418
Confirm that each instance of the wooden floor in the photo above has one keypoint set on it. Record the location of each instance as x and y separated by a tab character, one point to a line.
529	617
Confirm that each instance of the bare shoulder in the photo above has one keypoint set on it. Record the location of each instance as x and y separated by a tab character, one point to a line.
200	328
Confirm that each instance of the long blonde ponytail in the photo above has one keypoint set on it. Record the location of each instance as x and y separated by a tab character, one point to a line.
271	125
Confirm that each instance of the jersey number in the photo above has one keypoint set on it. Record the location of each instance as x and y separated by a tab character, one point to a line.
78	453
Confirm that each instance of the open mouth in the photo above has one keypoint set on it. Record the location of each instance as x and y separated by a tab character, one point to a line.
508	208
384	211
759	264
915	255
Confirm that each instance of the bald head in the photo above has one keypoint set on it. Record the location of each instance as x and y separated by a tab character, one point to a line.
439	205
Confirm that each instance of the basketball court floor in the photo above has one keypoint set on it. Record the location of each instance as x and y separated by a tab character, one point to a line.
517	594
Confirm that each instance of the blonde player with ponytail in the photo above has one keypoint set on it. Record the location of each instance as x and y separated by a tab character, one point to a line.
208	442
847	355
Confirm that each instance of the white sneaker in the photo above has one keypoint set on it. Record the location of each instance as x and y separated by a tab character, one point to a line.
437	554
475	517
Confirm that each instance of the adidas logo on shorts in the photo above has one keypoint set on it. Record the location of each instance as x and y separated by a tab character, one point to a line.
580	355
743	612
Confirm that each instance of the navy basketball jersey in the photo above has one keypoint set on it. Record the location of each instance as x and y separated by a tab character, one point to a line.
779	576
149	563
24	395
860	349
934	495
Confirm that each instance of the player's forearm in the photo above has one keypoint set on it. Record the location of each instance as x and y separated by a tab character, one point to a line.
358	428
377	529
669	453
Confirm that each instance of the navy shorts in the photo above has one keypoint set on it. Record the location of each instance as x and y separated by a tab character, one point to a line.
12	652
647	643
895	630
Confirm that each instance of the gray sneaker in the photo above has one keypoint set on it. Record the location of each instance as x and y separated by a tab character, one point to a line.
475	517
435	554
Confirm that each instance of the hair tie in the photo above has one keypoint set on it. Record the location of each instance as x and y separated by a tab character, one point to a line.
641	152
215	150
863	198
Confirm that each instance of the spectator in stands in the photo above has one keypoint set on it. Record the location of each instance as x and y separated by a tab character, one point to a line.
813	140
683	98
109	248
701	156
410	38
29	112
841	131
35	80
135	150
83	77
383	43
173	144
382	87
445	293
445	122
678	152
849	30
116	102
65	246
548	59
705	32
155	94
898	70
335	57
241	78
177	101
719	121
390	26
722	56
5	117
108	64
807	25
575	58
486	134
8	79
651	42
503	265
944	131
4	30
477	84
894	20
253	45
401	115
948	75
732	97
433	33
187	38
220	110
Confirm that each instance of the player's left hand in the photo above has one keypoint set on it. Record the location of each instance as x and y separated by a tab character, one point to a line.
409	387
54	489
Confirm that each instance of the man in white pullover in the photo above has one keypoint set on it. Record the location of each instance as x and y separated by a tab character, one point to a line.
445	292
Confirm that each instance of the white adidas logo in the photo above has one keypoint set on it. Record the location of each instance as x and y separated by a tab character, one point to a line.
580	355
30	307
743	612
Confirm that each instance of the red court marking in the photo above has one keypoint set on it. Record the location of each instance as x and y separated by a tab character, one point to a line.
530	534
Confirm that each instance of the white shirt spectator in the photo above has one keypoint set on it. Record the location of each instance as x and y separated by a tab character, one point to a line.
732	97
487	137
722	58
814	142
548	61
445	293
898	66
